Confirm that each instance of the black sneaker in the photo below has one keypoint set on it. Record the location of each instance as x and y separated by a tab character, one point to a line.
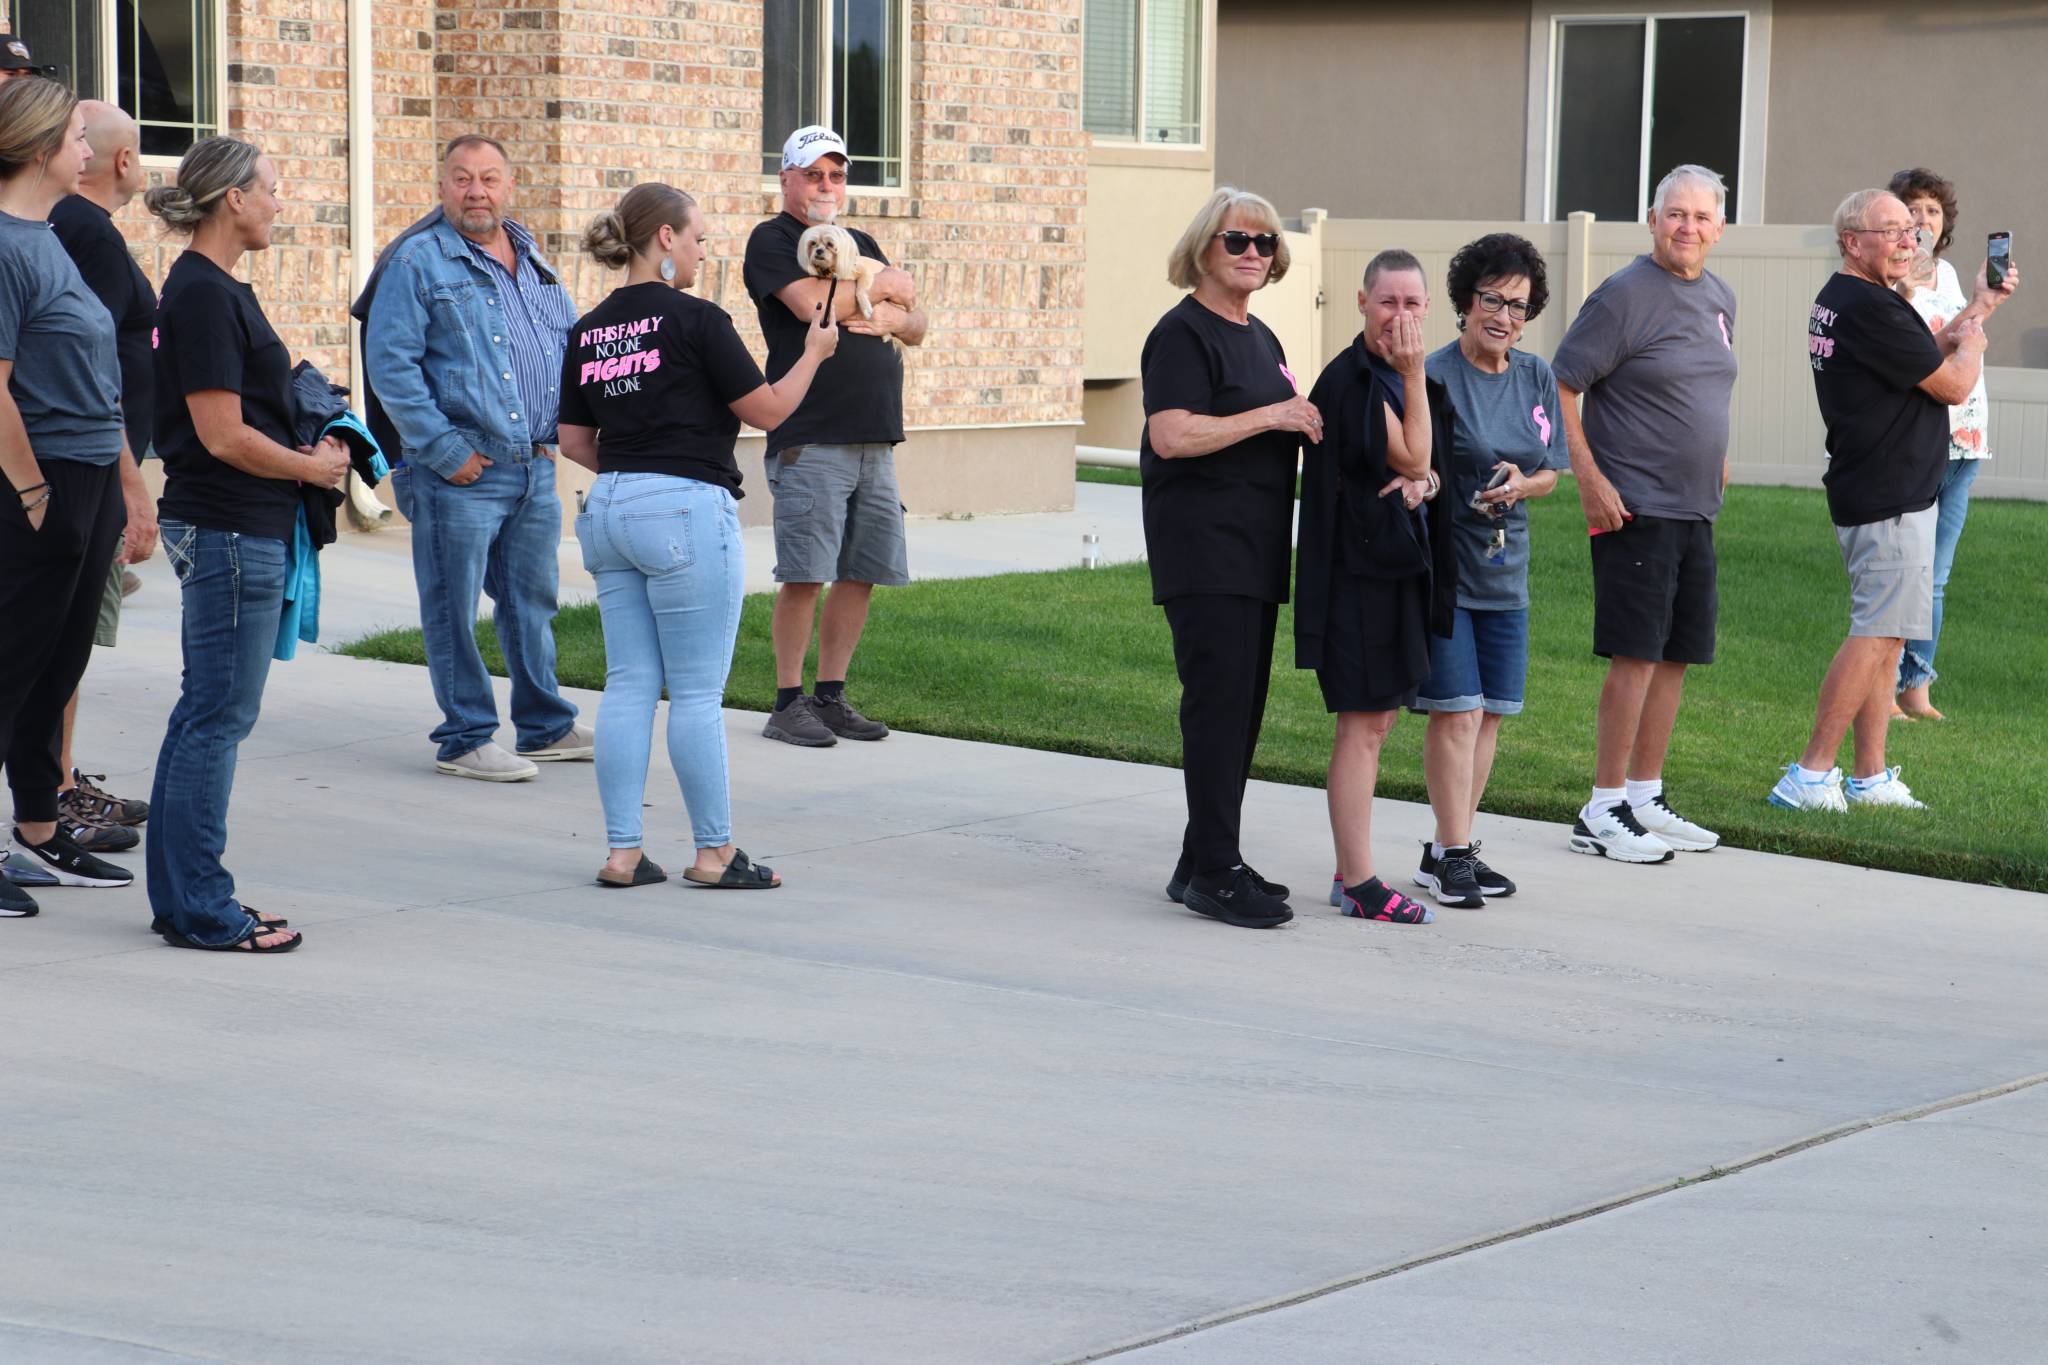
94	836
1177	885
1235	899
798	723
1492	885
842	720
72	865
1453	879
15	903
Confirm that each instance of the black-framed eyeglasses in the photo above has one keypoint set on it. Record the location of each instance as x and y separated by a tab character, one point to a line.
1890	234
1236	243
1490	302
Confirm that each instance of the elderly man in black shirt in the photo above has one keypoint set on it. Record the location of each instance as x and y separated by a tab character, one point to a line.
84	224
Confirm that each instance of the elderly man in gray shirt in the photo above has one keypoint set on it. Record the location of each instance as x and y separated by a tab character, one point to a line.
1653	352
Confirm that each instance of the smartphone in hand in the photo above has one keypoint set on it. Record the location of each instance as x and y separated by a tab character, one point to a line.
1997	258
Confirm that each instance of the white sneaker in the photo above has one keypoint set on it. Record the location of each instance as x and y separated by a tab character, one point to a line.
579	743
1656	816
488	763
1616	833
1792	793
1885	791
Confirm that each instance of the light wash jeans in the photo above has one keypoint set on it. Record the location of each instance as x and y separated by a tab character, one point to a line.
498	536
669	565
232	588
1916	665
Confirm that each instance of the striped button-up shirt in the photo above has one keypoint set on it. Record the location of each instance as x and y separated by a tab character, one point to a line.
530	301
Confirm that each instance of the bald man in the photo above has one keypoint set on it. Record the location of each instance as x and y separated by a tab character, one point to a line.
84	223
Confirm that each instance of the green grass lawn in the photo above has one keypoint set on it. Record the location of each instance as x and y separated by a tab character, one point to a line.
1080	661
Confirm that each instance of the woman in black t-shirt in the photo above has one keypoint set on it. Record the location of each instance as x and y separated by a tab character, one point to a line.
655	383
230	505
1224	421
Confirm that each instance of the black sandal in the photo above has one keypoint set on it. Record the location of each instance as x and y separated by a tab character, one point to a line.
264	923
645	873
245	944
740	875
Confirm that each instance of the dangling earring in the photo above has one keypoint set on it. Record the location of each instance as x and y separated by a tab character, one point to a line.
1461	322
668	270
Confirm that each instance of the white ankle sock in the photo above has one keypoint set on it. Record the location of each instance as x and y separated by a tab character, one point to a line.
1436	850
1643	793
1603	800
1808	775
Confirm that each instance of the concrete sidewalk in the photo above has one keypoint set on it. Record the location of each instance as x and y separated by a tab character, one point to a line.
969	1089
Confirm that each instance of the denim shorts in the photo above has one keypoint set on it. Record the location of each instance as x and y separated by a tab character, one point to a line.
838	516
1485	664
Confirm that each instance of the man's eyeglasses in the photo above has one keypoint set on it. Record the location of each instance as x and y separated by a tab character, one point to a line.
1236	243
1891	234
818	177
1490	302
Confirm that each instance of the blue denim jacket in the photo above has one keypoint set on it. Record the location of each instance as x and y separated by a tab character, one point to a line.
433	351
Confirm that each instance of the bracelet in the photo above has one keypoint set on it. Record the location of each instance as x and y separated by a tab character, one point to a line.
24	492
32	506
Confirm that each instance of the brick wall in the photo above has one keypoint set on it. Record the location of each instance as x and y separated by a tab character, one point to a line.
591	96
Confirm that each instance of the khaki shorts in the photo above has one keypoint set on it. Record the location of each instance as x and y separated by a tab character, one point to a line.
110	608
1891	575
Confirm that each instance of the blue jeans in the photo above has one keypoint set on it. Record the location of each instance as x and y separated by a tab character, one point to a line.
1485	663
1916	665
669	565
232	587
497	535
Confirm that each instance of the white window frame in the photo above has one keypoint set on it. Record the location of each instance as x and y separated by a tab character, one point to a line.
1205	29
1746	204
214	11
773	184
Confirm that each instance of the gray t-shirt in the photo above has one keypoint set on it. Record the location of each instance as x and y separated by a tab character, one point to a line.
1510	416
1655	357
67	377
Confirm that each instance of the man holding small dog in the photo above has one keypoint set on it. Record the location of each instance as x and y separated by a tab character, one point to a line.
831	465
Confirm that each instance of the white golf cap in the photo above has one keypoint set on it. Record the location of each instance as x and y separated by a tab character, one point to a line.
806	145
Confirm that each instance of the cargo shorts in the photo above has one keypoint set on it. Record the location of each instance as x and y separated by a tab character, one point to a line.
838	516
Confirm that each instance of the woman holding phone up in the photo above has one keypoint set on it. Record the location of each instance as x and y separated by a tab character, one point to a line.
655	384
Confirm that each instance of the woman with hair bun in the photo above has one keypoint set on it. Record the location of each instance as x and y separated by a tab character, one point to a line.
61	441
655	384
232	471
1506	447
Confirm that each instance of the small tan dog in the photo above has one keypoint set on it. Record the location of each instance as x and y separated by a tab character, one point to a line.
829	253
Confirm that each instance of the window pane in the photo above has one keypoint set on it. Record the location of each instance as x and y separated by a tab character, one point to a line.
867	88
1696	108
1109	68
1600	120
789	75
167	73
1173	78
64	34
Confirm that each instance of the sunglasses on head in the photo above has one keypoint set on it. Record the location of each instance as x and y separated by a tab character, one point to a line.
1236	242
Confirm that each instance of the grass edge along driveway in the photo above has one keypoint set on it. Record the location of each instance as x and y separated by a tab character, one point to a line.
1080	662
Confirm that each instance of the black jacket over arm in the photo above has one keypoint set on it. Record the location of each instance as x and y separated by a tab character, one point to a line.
1340	483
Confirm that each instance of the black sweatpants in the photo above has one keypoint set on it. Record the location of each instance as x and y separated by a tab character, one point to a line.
51	581
1223	651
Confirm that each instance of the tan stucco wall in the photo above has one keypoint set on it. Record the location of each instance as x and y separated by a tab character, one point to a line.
1969	80
1437	95
1138	206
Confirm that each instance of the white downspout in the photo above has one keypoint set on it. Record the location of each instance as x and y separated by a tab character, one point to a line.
364	508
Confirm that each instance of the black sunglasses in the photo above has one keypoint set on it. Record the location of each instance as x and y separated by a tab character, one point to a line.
1236	242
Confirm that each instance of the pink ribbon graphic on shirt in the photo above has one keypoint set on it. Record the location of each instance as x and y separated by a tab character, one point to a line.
1726	340
1292	382
1542	423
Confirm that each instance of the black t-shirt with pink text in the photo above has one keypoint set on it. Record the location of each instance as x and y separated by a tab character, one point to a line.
1887	439
656	371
